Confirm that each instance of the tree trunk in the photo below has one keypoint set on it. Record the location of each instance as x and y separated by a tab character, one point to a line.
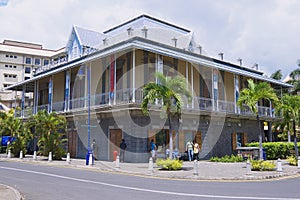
295	140
260	139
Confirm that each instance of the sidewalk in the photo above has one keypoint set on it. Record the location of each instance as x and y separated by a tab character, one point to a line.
206	170
9	193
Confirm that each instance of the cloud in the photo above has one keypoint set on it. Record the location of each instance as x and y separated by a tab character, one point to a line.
264	32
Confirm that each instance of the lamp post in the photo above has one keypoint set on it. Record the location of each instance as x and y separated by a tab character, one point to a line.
89	150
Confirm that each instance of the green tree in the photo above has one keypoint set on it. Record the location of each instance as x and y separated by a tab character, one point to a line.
277	75
251	96
295	80
290	108
15	127
169	90
50	129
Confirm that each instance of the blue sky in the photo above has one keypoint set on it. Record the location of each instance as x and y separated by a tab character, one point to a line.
263	32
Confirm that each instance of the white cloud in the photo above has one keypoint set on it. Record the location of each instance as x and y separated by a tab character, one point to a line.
264	32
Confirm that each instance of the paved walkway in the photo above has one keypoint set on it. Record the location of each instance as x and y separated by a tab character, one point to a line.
205	171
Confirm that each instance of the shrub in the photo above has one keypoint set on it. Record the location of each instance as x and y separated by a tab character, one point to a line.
275	150
292	160
227	159
168	164
261	165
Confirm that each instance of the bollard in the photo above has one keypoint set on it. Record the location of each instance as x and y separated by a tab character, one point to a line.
21	154
118	162
68	158
91	159
279	165
150	167
248	168
50	157
9	154
34	155
195	168
298	162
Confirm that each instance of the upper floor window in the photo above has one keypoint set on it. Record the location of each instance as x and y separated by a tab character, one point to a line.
27	70
37	61
28	60
46	62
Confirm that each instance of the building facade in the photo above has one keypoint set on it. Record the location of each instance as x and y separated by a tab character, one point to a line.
18	62
100	88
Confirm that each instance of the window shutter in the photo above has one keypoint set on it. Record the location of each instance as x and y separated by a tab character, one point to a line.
233	138
181	141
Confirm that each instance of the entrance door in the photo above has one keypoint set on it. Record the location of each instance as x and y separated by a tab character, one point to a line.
72	141
115	140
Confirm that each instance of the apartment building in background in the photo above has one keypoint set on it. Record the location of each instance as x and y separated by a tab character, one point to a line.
99	88
18	62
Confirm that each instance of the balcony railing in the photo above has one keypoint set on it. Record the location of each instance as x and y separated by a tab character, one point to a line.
126	96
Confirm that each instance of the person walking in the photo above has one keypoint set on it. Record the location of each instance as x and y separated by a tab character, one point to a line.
196	150
153	149
189	149
94	149
123	147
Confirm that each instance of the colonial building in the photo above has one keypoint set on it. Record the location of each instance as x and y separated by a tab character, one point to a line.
18	61
99	90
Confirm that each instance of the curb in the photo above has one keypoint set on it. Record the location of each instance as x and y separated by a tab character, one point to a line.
17	194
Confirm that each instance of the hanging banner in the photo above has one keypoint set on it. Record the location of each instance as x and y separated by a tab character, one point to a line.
112	76
67	90
50	95
237	91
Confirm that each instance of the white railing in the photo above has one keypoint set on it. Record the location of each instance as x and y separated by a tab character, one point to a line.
126	97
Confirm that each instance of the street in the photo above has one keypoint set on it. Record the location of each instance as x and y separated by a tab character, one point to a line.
43	182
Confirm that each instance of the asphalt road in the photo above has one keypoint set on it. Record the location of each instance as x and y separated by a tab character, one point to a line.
39	182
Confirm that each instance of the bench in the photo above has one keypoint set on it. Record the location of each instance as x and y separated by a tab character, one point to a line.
248	152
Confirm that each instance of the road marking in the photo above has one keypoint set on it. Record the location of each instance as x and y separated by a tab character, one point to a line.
146	190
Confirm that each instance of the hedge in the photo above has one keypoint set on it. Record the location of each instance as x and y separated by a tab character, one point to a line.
275	150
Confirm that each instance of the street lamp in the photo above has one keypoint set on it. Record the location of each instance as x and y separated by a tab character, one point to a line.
89	156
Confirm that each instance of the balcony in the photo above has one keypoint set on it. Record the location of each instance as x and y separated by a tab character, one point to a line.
125	97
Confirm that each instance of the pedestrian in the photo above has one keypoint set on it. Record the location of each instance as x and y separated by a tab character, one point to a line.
94	149
189	149
196	150
153	149
123	147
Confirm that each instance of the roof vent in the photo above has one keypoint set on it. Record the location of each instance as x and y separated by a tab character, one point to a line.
175	41
221	55
145	31
130	31
240	61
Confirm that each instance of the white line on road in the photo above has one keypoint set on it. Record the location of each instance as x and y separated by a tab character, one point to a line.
146	190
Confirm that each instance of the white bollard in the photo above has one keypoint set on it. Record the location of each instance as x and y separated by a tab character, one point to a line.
248	168
21	154
118	162
279	165
68	158
9	154
150	167
34	155
195	168
298	162
91	159
50	157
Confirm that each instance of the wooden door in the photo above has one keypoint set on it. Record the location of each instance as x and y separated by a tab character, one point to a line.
115	140
72	143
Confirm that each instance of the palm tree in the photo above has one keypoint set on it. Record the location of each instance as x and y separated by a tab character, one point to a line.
290	108
169	90
295	80
251	96
277	75
50	130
